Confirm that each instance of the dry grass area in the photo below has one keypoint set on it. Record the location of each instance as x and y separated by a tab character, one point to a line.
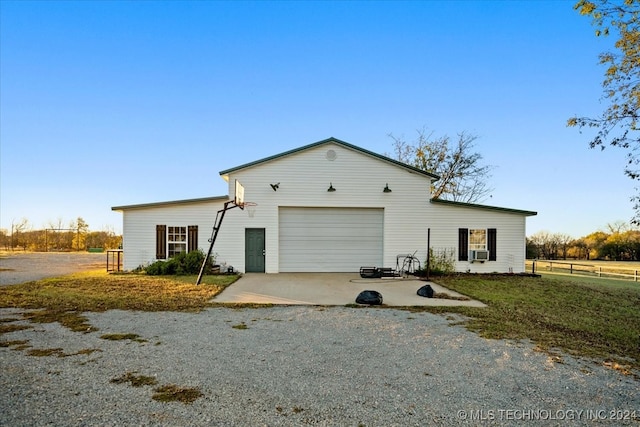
63	299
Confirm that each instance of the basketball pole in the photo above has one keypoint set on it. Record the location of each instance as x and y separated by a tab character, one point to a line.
428	251
214	235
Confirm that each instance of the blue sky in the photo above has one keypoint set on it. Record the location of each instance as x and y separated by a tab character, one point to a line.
114	103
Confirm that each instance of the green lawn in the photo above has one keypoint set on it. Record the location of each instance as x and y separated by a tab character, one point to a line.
591	317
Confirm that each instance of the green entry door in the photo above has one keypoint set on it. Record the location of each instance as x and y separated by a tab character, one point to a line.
254	250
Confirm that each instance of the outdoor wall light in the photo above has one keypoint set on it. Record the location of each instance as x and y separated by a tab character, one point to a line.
331	189
386	189
275	187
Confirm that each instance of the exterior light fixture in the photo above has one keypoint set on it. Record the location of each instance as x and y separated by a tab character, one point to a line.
331	189
275	187
386	189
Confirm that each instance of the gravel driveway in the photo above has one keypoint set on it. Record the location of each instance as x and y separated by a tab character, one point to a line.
20	267
301	365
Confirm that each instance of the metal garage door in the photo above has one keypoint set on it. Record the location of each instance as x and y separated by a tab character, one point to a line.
330	239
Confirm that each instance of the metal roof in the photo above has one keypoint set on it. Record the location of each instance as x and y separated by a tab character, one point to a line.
172	202
476	206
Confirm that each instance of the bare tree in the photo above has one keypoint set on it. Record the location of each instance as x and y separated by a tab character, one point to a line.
463	177
547	244
17	228
618	227
563	241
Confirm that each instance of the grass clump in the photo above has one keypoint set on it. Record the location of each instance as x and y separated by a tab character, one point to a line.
241	325
73	320
135	380
14	343
174	393
5	329
123	337
45	352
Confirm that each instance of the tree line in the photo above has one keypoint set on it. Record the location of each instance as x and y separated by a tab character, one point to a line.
72	236
620	242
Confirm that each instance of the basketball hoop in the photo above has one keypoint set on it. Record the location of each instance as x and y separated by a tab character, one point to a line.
251	208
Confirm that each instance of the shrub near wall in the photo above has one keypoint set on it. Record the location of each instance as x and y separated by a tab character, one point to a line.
182	264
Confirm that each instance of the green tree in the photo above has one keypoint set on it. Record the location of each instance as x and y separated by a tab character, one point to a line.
463	177
618	124
594	242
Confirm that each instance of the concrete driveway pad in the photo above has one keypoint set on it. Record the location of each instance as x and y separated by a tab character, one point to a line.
332	289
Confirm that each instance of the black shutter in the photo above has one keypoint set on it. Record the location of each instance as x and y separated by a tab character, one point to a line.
192	238
492	243
463	244
161	242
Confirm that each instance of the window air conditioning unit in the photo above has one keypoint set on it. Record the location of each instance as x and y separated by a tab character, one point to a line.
479	256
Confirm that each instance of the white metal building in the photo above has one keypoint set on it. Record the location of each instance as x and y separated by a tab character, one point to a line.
327	207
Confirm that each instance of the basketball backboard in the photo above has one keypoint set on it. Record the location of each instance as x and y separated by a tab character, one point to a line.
239	195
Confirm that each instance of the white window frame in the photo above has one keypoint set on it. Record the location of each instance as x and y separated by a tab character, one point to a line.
176	240
478	239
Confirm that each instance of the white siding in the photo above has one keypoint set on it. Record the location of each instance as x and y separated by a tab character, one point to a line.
139	229
359	180
510	248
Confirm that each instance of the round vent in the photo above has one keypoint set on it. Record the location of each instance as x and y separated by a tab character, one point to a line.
331	155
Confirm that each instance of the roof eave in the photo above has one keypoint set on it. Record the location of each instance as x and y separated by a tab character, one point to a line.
168	203
477	206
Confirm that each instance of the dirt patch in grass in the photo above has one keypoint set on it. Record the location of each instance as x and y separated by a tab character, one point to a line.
175	393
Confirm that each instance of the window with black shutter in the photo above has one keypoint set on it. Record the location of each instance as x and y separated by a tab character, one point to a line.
492	243
161	242
463	244
192	238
